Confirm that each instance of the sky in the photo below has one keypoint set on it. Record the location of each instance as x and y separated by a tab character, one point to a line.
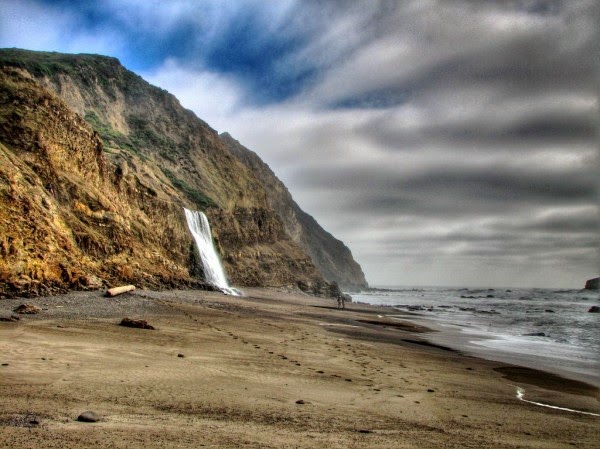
447	143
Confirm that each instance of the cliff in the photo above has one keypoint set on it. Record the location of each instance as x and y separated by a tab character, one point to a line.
96	167
329	254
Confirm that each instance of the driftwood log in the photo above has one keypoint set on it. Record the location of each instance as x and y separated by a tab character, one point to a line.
119	290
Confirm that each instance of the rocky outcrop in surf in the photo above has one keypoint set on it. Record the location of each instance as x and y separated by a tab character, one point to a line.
592	284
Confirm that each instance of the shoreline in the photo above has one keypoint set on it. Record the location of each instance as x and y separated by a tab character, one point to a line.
474	345
469	324
272	369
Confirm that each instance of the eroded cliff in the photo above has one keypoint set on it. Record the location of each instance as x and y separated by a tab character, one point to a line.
329	254
99	201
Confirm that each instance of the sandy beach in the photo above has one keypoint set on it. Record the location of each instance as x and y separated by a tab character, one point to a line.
269	370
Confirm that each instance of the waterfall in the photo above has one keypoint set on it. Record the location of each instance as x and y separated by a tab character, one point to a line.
213	269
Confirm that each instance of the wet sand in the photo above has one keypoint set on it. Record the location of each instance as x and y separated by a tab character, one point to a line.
272	370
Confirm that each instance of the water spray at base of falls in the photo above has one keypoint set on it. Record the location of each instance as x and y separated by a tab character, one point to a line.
211	262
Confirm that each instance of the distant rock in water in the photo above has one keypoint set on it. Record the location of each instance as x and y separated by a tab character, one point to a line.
594	309
593	284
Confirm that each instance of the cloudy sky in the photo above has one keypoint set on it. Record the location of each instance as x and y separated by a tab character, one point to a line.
445	142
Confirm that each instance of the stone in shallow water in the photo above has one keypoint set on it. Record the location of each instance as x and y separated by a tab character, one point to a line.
88	416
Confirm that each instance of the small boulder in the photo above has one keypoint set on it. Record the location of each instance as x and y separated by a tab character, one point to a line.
300	401
88	416
535	334
138	324
594	309
28	309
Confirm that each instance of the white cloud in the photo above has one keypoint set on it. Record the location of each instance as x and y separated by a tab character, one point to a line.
211	96
27	24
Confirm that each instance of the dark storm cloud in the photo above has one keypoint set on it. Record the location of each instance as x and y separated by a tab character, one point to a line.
535	132
382	189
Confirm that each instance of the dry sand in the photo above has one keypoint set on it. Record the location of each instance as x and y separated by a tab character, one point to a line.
247	362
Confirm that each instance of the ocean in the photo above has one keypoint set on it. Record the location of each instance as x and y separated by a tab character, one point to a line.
543	329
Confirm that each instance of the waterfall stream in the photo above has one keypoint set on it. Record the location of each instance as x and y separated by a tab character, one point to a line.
213	269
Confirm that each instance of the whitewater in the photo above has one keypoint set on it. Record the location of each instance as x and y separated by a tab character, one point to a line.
214	274
545	329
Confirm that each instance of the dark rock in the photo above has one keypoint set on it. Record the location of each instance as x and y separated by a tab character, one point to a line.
535	334
29	309
593	284
139	324
88	416
549	311
180	355
430	390
489	296
364	431
594	309
10	319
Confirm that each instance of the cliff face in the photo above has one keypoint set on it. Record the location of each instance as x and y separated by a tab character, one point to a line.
329	254
96	167
68	218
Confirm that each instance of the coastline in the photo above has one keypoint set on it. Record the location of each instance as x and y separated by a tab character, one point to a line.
482	346
272	369
543	329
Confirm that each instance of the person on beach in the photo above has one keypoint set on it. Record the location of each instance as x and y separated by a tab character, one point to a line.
341	301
